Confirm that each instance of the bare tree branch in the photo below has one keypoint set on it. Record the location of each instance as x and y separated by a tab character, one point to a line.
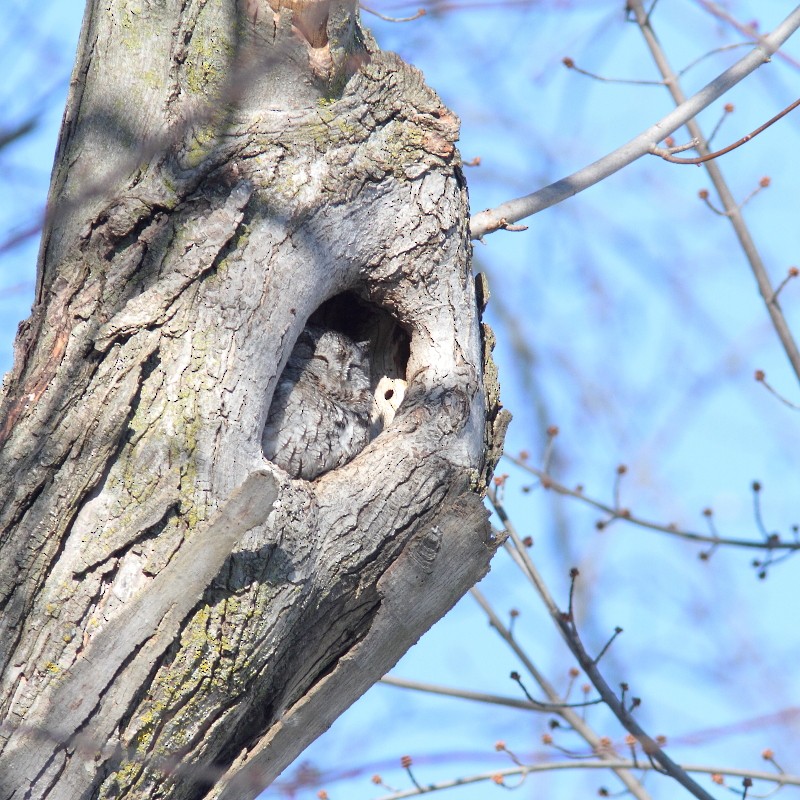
513	210
575	764
569	715
617	512
732	208
568	630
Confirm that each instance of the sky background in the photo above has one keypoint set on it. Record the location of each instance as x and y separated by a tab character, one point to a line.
627	316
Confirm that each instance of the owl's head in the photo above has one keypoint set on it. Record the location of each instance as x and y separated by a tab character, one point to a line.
336	359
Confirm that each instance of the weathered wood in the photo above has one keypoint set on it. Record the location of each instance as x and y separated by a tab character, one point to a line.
222	173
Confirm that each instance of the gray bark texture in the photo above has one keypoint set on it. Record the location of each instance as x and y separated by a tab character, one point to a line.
180	617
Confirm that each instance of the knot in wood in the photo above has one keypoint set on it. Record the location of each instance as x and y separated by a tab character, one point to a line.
454	409
425	548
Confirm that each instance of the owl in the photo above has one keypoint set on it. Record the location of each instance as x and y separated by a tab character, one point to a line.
322	407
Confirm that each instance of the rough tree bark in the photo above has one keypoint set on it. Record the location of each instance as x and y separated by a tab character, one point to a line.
179	617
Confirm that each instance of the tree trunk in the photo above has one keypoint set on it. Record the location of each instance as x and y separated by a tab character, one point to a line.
180	616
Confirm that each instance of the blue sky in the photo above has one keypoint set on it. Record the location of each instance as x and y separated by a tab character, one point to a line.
628	317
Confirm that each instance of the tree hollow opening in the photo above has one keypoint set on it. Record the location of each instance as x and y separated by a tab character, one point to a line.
341	388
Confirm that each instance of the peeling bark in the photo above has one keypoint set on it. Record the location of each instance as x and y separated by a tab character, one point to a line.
179	617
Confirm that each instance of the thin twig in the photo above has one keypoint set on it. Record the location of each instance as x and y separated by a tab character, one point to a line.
762	184
604	650
10	135
463	694
761	377
620	471
791	273
570	64
726	111
406	762
680	148
724	48
549	482
652	8
745	28
420	13
667	156
551	707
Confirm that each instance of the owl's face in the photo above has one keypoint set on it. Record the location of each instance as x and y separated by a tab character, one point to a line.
337	361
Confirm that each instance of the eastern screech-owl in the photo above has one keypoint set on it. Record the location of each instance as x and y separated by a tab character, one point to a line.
320	413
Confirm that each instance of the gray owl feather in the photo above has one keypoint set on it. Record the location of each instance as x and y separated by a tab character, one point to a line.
320	413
